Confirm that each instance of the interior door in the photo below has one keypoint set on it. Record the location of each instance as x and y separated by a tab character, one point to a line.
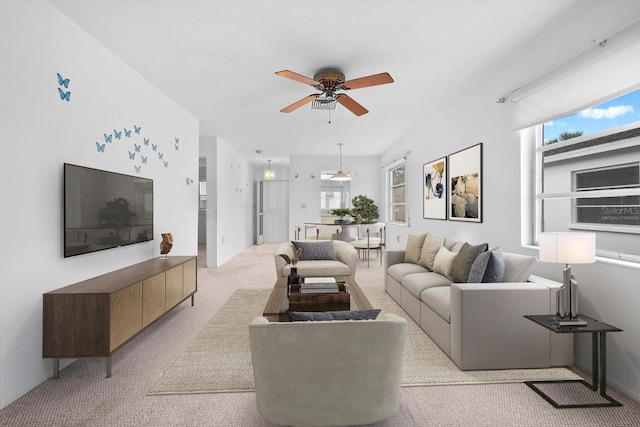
275	216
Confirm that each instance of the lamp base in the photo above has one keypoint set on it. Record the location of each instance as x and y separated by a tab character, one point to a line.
572	322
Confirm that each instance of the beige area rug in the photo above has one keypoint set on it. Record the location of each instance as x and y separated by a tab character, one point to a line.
219	359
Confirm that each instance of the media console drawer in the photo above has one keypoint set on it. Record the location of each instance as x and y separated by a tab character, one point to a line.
96	317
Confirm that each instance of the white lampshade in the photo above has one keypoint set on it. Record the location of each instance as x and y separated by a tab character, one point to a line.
567	247
340	176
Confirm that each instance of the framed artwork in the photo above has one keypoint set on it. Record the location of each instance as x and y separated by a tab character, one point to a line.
465	181
434	184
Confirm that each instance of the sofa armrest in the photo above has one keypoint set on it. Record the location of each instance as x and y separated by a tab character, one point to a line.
393	257
285	248
488	328
347	254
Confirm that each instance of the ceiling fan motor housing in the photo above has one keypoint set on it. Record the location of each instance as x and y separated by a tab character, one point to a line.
331	80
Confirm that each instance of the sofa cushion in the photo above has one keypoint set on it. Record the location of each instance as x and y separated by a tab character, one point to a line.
319	250
443	263
418	282
518	268
430	249
302	316
321	268
398	271
414	247
488	267
453	245
464	260
438	299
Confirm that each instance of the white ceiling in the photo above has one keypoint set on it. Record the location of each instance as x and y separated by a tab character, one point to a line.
218	58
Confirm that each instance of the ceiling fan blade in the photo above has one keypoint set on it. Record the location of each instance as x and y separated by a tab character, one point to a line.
374	80
298	77
298	104
351	105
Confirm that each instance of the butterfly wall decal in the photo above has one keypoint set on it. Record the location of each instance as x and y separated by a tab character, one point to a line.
64	95
137	147
146	140
107	138
137	129
166	164
132	156
62	81
160	155
137	168
117	134
154	147
100	148
127	133
177	146
177	140
144	159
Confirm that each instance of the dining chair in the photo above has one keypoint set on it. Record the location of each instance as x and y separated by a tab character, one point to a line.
371	237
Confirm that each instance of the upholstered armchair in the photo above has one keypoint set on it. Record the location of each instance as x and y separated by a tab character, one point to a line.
334	373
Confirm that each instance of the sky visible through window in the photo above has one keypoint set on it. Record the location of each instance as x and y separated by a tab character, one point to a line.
617	112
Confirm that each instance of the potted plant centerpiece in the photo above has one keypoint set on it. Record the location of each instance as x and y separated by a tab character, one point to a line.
364	210
341	213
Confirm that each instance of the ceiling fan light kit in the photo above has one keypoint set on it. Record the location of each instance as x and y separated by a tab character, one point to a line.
330	81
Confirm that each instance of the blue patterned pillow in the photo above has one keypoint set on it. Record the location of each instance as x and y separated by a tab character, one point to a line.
488	267
320	250
302	316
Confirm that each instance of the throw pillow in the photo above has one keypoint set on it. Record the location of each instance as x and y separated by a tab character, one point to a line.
321	250
443	262
463	262
488	267
414	246
301	316
432	245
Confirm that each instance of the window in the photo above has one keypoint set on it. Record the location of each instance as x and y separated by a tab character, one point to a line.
398	195
620	211
202	190
588	176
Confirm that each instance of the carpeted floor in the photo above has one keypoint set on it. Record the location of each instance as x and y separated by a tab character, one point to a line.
219	359
84	397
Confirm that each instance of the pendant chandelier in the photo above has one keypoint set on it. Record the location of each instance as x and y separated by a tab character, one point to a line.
269	175
340	175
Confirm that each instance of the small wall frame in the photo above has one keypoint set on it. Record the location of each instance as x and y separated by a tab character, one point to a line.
435	189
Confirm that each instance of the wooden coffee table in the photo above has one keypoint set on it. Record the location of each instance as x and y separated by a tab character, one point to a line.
277	308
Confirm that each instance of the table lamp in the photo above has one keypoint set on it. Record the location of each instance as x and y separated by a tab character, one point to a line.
568	248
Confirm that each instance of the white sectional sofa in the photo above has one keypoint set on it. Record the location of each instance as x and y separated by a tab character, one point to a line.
478	325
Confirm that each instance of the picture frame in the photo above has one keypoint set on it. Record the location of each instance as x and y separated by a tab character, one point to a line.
465	184
435	189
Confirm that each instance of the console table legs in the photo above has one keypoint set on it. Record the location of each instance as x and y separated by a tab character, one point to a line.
56	367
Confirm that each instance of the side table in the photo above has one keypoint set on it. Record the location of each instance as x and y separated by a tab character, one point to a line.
598	331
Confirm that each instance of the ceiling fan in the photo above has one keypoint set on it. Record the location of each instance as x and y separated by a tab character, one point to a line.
329	81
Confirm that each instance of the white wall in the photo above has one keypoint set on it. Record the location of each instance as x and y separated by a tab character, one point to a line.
235	203
38	133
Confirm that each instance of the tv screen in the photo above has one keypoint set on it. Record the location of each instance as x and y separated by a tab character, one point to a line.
104	210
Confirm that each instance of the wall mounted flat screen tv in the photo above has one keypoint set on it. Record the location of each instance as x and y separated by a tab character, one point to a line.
104	210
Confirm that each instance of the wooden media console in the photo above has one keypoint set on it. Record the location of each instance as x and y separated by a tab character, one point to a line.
96	317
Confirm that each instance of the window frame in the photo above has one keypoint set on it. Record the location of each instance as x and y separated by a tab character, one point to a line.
534	138
391	187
